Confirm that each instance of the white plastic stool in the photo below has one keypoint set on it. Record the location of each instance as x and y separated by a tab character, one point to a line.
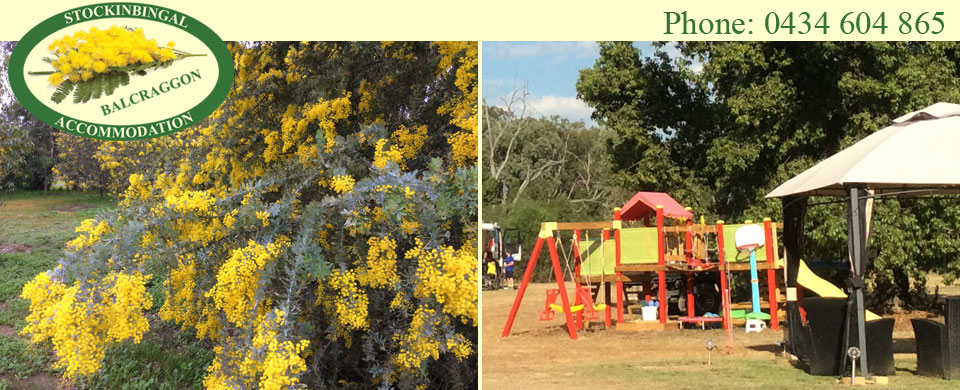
755	325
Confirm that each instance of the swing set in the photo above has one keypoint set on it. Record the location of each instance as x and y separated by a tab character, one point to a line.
583	305
584	302
638	254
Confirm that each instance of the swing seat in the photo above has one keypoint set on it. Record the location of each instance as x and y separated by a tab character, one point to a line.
552	307
591	311
547	313
559	309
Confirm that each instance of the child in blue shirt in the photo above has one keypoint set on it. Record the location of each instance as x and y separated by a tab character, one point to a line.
508	270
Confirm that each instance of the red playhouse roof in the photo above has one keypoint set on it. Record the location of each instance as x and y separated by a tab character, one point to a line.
644	203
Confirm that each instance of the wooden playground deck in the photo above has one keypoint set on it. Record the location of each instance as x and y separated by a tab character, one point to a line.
633	273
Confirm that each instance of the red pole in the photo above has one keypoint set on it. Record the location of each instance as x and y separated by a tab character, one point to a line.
558	274
617	246
578	262
771	275
523	286
688	251
724	287
661	275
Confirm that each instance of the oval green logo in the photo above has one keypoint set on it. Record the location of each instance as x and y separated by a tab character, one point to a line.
121	71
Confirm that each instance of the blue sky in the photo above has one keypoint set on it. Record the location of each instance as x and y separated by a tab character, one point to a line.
549	70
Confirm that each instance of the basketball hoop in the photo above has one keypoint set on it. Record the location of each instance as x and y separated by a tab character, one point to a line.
749	237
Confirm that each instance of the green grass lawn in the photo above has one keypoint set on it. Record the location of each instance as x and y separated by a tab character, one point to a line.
732	373
33	230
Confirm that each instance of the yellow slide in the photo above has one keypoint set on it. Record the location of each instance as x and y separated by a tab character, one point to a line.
823	288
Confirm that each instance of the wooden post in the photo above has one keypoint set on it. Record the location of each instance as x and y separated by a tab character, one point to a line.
661	275
771	275
523	285
616	237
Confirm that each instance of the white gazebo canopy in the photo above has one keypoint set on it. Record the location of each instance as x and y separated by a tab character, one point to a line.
921	150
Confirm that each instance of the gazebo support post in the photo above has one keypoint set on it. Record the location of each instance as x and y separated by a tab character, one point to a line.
857	248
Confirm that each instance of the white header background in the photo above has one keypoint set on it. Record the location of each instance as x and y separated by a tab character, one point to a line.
557	20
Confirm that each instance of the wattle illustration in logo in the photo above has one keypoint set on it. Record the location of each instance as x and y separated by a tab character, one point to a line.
121	71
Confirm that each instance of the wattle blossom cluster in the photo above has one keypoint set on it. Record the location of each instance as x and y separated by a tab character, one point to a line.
78	57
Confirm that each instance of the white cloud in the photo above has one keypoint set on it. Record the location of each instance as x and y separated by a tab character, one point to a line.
559	50
567	107
563	106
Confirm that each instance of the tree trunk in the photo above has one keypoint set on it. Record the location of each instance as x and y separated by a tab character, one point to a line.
901	283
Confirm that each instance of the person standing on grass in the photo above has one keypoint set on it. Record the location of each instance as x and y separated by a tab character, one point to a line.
491	266
508	270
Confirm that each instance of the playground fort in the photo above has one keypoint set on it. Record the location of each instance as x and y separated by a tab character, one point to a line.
651	238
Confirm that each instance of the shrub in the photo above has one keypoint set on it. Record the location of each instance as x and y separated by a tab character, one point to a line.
319	228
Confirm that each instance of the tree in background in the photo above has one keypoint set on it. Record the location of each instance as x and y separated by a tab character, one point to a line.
27	149
722	123
543	169
15	144
76	166
14	141
31	149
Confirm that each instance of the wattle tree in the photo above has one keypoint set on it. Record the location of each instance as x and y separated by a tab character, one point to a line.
319	229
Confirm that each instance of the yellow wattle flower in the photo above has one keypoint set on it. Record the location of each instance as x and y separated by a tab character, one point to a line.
87	53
